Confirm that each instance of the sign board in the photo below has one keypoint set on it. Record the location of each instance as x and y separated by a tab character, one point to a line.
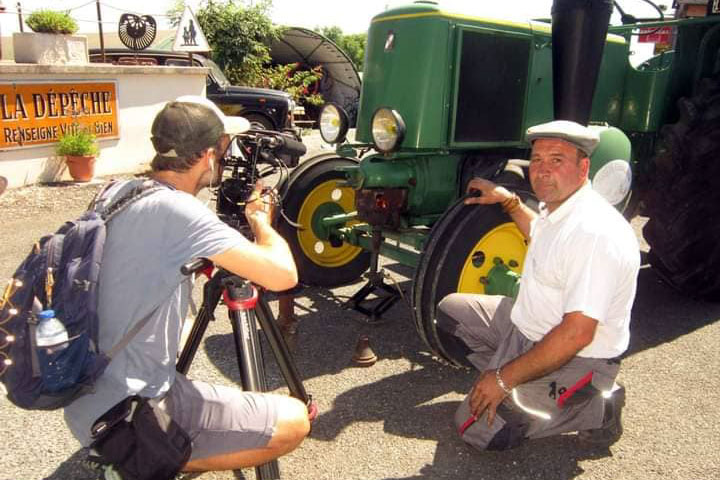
655	35
189	36
39	113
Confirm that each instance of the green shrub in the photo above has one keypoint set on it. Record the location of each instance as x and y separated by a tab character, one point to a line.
292	78
50	21
80	143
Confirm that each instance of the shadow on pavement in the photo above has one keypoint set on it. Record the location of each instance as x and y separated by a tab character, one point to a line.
73	468
323	317
549	458
660	314
410	403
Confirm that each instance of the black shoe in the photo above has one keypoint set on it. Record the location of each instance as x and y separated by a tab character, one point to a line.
611	429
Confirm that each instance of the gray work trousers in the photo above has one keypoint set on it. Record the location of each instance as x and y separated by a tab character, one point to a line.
566	400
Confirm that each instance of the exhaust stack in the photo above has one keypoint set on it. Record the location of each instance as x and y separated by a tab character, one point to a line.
579	28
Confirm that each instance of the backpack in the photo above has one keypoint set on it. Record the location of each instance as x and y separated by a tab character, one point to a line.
60	273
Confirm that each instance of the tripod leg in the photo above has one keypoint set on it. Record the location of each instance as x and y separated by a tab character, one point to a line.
247	346
252	369
211	297
280	351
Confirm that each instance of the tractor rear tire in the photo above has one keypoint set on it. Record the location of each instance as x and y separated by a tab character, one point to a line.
683	204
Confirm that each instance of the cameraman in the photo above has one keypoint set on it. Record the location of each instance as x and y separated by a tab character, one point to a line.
146	245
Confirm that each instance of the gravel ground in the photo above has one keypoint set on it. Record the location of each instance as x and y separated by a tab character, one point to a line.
393	420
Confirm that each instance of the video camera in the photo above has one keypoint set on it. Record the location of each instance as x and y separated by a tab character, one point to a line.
252	156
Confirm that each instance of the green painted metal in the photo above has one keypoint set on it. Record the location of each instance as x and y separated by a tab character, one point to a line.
320	215
346	150
607	103
539	102
502	281
645	97
393	251
425	93
431	180
402	247
410	77
340	219
614	145
413	65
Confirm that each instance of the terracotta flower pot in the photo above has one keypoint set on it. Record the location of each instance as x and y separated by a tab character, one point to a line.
82	168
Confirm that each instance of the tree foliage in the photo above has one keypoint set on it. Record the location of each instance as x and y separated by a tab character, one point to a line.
238	34
353	45
301	84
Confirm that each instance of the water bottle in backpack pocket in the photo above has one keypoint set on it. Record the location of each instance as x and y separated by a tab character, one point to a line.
60	358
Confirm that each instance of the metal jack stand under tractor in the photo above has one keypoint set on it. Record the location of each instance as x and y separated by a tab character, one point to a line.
375	284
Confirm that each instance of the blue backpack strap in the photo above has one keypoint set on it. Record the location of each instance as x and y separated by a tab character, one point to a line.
100	195
143	190
146	188
131	334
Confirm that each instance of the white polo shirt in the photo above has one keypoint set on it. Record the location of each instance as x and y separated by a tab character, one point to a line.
583	257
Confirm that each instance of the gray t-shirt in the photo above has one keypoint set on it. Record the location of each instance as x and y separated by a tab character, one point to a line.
145	247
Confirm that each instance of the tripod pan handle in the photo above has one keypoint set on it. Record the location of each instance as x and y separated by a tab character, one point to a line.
195	265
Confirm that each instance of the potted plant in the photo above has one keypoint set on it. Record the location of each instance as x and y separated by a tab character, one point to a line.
79	148
52	40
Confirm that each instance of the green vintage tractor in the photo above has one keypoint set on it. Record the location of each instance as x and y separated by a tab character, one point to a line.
447	96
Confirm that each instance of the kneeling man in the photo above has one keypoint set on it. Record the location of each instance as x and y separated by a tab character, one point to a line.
548	361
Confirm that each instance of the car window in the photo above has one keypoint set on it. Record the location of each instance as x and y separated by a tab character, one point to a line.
218	74
176	62
136	61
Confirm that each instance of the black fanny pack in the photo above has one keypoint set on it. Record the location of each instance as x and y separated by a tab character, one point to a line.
140	440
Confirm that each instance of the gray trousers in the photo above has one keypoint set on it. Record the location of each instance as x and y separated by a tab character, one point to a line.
566	400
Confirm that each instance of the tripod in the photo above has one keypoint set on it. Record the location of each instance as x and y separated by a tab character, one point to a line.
246	307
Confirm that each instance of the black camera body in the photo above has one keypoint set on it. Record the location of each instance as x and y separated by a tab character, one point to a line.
254	155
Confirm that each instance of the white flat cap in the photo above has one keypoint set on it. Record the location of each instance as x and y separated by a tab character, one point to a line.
582	137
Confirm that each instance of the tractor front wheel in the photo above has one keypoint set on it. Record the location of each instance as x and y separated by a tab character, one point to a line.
312	193
462	248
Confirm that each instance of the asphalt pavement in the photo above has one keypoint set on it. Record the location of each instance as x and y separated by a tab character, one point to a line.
393	420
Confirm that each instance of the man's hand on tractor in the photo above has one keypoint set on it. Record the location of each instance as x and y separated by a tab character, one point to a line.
485	192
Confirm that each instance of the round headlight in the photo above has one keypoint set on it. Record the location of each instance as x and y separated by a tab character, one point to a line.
333	123
613	181
388	129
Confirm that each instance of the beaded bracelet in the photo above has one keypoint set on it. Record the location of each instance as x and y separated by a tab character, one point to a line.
511	204
500	382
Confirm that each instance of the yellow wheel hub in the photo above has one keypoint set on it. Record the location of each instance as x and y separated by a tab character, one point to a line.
319	250
505	242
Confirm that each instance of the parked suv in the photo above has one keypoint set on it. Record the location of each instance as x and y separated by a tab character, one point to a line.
270	109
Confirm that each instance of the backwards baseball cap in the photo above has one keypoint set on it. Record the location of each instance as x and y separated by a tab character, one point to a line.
191	124
582	137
